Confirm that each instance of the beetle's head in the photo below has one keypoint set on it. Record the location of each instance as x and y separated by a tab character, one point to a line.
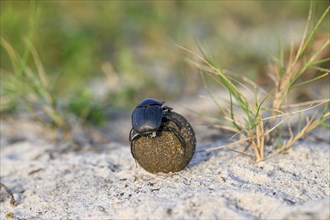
149	102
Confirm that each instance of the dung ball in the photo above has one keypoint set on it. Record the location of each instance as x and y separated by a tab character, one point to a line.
164	152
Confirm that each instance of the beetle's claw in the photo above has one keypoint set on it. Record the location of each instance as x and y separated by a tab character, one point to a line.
167	108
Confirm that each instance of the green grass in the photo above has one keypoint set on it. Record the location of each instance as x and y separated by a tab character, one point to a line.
255	127
51	51
75	39
30	87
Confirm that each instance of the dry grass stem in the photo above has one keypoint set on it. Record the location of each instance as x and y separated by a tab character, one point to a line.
253	125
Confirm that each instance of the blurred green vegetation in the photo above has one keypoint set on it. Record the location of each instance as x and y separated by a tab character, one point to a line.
83	105
129	47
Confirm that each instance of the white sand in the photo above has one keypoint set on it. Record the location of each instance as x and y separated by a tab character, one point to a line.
217	185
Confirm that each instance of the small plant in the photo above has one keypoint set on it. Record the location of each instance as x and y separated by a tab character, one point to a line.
30	88
259	122
27	86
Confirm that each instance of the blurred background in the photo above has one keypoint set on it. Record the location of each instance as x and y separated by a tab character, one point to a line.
108	55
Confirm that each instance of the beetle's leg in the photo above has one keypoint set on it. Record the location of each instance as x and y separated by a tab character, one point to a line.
131	142
177	134
174	120
133	138
130	135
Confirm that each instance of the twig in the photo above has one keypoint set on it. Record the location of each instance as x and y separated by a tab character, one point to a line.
12	199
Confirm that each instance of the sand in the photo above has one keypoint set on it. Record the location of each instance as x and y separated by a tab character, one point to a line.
107	184
104	182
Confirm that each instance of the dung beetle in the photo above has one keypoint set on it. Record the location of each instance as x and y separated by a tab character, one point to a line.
149	118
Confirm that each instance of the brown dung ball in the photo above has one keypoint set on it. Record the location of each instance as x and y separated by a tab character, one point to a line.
164	152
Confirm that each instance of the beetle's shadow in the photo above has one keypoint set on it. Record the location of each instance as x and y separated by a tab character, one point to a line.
205	152
202	155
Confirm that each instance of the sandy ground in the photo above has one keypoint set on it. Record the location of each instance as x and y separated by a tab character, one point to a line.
104	182
107	184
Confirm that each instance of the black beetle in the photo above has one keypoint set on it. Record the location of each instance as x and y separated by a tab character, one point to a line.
148	119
